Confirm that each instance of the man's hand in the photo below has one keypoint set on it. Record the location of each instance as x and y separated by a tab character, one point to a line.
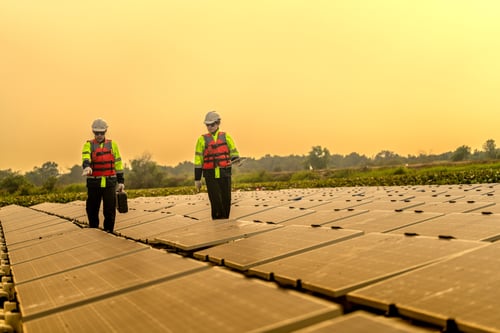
120	187
197	184
87	171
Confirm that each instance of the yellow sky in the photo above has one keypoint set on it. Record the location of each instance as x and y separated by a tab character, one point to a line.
350	75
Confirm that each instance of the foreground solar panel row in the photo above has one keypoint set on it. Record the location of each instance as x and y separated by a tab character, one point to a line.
87	280
344	245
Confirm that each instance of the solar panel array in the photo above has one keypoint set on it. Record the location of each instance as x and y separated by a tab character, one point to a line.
391	259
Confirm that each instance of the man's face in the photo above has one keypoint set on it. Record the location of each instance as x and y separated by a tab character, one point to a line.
99	136
213	127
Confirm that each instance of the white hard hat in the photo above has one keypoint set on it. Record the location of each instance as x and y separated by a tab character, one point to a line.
211	117
99	125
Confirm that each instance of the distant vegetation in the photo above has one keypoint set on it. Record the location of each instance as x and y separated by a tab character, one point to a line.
319	168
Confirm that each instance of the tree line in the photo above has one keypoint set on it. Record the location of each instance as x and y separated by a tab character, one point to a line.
144	173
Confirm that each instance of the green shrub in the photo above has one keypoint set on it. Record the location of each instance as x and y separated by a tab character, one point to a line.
74	188
253	177
304	175
400	171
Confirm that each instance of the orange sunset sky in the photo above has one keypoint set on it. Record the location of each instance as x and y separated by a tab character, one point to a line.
286	75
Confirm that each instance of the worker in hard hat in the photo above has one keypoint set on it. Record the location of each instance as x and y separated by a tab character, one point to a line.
213	155
103	167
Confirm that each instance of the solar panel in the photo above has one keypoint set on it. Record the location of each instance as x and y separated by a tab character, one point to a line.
336	269
210	300
92	280
276	215
77	256
453	206
210	233
471	226
382	220
148	231
321	217
463	290
436	266
273	245
361	321
45	247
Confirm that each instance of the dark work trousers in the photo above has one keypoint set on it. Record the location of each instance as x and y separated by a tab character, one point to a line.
219	194
108	196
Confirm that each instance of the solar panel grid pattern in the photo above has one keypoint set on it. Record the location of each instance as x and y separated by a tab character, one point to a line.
338	268
466	288
467	297
272	245
322	217
382	220
210	233
472	226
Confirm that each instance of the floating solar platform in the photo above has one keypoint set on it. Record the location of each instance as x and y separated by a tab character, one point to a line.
439	198
47	206
464	189
13	212
113	275
342	204
273	245
28	220
471	226
252	201
17	219
240	210
325	194
454	192
66	211
399	196
493	209
73	257
459	293
211	300
54	227
237	211
132	218
484	197
148	231
297	198
184	208
382	220
276	215
151	204
453	206
334	270
429	190
306	203
201	215
321	217
446	280
362	321
392	204
137	216
210	233
360	192
45	247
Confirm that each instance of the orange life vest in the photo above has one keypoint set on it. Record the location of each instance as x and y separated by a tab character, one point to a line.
103	160
216	153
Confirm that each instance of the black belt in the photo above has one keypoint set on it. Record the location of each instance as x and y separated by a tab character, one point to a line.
97	177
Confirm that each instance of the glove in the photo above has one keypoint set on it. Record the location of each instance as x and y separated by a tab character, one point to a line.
120	187
87	171
197	184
